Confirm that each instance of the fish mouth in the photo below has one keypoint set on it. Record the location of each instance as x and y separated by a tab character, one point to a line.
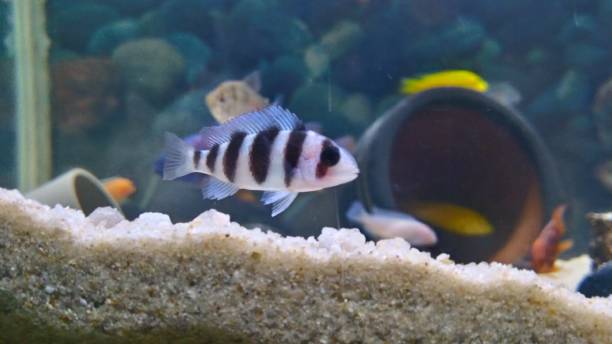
352	170
352	176
349	176
342	177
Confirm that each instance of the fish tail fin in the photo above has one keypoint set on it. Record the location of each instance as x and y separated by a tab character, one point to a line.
158	166
355	212
179	158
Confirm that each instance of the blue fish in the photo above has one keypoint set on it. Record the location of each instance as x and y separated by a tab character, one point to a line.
598	283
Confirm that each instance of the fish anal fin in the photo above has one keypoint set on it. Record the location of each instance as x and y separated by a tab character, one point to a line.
280	200
216	189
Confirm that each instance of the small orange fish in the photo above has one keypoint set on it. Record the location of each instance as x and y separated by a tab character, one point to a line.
246	196
119	188
548	245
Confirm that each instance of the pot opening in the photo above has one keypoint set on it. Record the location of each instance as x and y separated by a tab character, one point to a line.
453	152
89	195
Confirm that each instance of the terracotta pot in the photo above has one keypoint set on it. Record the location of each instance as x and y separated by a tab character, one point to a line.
463	147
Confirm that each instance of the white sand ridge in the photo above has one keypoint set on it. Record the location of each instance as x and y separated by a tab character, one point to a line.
109	274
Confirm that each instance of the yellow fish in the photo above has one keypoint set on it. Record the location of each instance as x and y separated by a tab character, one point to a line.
452	218
448	78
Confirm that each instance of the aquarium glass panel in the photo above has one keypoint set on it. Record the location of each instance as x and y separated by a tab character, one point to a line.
478	118
7	99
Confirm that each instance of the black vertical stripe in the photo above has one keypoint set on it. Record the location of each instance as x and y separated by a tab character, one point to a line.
197	155
230	158
211	158
293	150
259	157
329	156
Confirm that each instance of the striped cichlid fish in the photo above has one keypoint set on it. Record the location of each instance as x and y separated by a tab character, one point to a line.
268	150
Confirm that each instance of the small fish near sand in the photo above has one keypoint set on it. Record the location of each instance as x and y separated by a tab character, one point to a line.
387	224
267	150
119	188
548	245
452	218
236	97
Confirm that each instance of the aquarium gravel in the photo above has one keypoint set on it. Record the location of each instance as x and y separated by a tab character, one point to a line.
108	275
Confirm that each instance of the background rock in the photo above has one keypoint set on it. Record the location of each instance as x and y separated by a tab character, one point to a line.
73	24
283	76
86	93
195	16
251	36
195	52
150	67
108	37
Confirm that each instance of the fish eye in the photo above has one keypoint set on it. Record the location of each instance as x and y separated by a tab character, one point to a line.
330	154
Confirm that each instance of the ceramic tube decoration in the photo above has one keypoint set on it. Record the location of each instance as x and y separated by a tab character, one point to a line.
77	189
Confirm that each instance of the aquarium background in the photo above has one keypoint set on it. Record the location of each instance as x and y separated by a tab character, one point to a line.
7	101
124	72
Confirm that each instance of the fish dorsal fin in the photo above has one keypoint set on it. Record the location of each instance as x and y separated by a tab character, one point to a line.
215	189
557	218
250	123
253	79
278	100
280	200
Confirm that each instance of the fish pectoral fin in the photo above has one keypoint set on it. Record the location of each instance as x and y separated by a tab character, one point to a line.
280	200
564	246
215	189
